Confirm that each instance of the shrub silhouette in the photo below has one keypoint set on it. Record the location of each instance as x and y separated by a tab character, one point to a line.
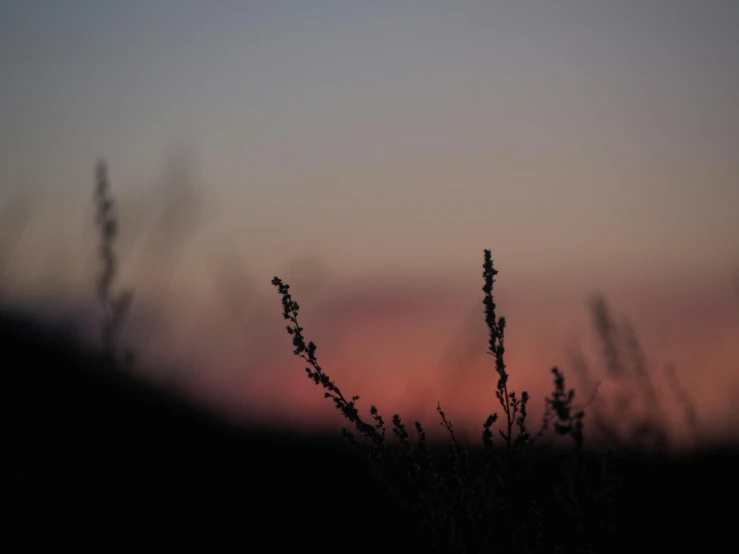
483	499
470	501
101	459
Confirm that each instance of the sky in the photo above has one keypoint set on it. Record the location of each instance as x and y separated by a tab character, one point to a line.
367	153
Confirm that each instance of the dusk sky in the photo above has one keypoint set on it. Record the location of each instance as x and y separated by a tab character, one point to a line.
367	153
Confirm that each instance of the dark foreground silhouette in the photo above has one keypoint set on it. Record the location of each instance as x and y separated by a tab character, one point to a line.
100	462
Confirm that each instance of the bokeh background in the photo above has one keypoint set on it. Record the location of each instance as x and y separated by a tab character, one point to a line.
366	153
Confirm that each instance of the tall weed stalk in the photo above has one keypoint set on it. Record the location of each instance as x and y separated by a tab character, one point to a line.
115	304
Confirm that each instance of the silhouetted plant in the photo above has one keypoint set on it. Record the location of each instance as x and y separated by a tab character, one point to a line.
467	503
633	417
115	305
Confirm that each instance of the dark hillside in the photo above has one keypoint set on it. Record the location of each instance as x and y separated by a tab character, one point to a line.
104	463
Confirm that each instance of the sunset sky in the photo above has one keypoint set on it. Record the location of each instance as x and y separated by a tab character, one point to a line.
367	153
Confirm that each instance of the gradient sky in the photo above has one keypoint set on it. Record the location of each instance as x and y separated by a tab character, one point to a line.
367	152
